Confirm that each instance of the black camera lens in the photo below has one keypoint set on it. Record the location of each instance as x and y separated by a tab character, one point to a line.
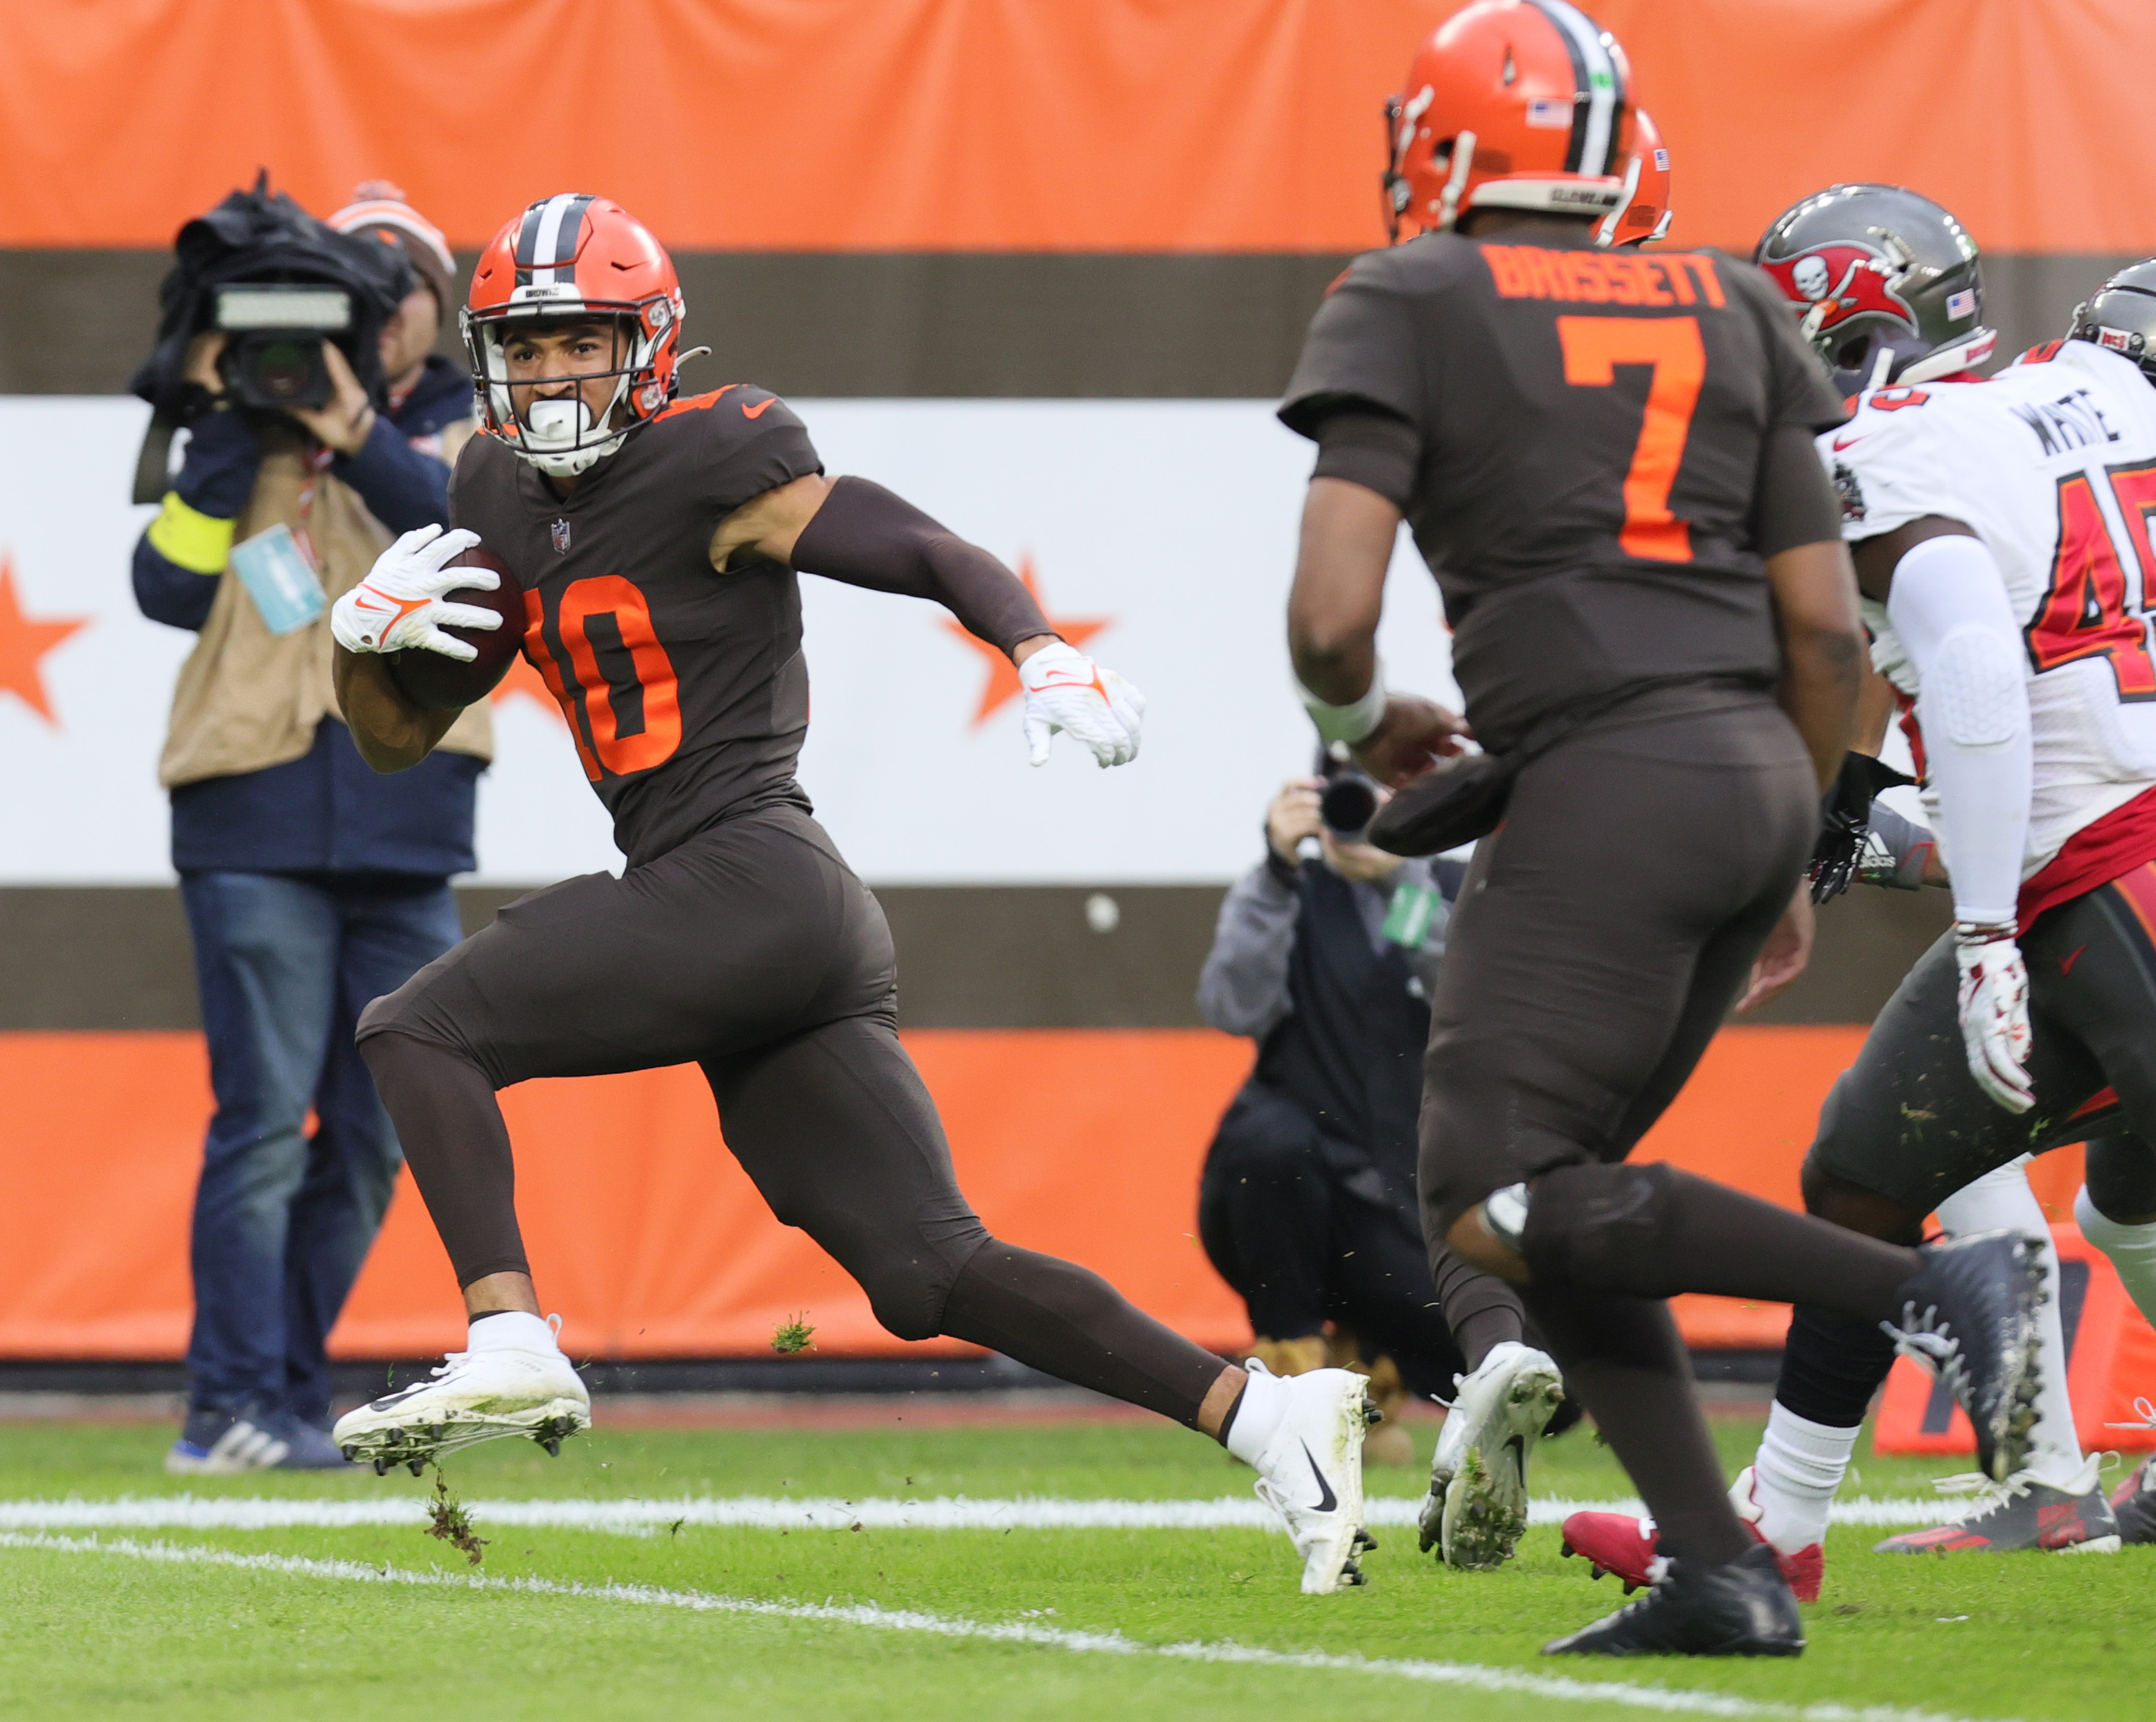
1347	806
283	369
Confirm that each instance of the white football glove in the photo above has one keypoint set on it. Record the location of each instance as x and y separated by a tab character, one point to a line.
399	603
1064	690
1994	1013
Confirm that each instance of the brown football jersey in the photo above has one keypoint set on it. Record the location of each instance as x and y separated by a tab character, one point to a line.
685	688
1591	425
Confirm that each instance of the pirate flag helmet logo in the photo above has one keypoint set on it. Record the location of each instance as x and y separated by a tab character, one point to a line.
1885	282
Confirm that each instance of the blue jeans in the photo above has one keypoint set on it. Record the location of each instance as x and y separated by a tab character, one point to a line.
285	963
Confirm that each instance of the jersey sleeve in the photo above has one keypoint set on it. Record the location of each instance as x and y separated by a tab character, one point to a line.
753	442
1360	355
1890	463
1799	391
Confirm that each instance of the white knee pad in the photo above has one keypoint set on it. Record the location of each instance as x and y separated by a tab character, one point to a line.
1975	688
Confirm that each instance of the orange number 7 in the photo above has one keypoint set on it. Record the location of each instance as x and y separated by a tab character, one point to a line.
1593	347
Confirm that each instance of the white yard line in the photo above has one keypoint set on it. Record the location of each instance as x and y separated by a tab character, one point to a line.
871	1615
782	1512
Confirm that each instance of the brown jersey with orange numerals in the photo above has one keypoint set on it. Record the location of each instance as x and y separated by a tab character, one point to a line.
1592	424
684	688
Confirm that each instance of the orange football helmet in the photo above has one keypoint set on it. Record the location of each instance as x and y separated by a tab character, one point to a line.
575	256
1510	105
1644	216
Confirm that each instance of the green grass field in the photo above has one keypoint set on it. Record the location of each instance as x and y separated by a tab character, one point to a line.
326	1621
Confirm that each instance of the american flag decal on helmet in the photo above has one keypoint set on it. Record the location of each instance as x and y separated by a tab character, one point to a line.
547	242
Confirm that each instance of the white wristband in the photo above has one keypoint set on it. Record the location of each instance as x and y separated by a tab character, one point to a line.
1349	724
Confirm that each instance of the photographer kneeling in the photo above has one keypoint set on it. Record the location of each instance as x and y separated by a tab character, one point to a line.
1307	1203
312	885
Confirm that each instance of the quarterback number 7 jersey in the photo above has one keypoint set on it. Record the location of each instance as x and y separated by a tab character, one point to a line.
2053	466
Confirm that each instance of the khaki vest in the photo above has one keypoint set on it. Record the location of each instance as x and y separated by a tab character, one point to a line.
248	698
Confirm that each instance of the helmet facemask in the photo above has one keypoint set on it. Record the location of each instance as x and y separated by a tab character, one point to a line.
561	435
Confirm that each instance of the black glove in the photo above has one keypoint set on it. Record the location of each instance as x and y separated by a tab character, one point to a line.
1845	820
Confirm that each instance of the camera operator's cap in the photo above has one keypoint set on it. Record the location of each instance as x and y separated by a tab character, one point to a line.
378	211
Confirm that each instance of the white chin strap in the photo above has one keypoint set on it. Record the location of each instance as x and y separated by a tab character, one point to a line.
555	435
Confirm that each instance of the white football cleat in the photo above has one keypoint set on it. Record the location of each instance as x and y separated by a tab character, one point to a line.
1310	1473
1477	1505
481	1394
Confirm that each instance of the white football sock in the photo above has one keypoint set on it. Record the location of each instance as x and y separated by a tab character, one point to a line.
2132	1250
511	1330
1258	1414
1799	1467
2001	1201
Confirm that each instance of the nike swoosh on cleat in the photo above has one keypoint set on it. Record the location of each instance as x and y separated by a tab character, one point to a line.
1327	1500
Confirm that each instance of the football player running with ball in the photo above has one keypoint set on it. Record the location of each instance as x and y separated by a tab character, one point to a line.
1607	459
659	540
2002	542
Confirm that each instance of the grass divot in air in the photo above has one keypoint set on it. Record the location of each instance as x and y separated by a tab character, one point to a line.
446	1518
793	1334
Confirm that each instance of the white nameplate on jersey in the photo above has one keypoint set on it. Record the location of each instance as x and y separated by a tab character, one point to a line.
1414	909
281	579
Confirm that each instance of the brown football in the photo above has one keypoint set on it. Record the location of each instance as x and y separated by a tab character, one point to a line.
435	682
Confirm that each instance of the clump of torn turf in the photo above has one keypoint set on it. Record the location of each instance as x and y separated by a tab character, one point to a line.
794	1334
448	1520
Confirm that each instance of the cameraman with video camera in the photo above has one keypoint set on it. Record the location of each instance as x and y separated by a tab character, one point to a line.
1325	954
297	356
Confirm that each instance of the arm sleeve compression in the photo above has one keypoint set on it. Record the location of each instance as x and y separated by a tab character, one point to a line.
1949	605
866	536
1379	451
1243	988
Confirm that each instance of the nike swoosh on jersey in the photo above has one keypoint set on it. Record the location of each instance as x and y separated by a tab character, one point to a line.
757	410
1842	442
1327	1500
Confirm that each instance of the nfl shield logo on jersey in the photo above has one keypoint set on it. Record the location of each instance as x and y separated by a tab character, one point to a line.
561	538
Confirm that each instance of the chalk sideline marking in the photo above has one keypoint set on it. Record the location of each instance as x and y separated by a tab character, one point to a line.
638	1517
877	1618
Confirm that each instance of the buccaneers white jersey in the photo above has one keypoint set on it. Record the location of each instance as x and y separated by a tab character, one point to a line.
2053	466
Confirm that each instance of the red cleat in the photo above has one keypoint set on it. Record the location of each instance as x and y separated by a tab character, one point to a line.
1614	1542
1618	1543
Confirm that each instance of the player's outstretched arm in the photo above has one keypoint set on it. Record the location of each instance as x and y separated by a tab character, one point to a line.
400	604
1332	612
854	531
1822	648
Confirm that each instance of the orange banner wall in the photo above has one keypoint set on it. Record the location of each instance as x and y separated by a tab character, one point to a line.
1014	125
1086	1143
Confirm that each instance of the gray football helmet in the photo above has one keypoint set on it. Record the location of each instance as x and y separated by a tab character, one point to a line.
2120	316
1887	283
